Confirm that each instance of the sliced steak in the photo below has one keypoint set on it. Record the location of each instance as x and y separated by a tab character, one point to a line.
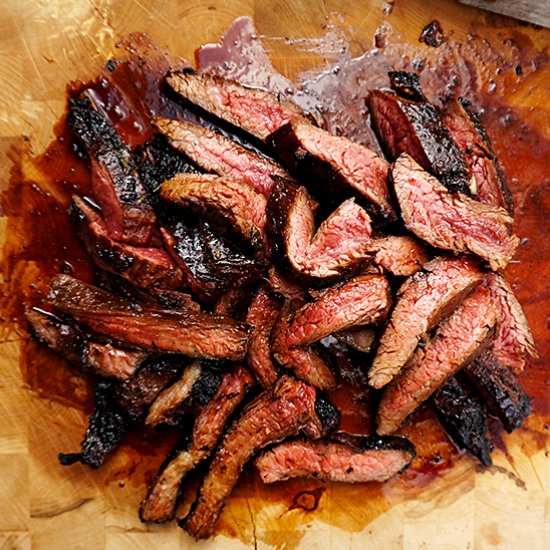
451	222
349	459
463	416
406	122
255	111
160	503
399	255
501	389
362	300
335	167
422	301
111	361
286	286
216	153
273	416
456	342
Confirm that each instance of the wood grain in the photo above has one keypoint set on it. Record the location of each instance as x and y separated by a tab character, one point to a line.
534	11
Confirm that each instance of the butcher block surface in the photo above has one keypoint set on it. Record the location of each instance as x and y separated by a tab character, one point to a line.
45	44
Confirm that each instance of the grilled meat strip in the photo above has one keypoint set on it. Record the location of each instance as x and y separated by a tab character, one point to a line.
342	457
273	416
501	390
399	255
160	503
335	167
285	286
406	122
452	222
360	301
216	153
455	343
422	301
110	361
255	111
195	335
461	413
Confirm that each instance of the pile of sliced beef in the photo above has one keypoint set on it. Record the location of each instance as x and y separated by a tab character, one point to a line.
255	275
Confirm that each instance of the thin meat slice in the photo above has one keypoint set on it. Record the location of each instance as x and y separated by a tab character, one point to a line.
111	361
399	255
273	416
513	343
160	503
285	286
216	153
255	111
342	458
335	167
456	342
362	300
262	315
463	416
452	222
422	301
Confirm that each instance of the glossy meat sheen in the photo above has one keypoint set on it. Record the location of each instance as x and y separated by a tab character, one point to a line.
452	222
422	301
361	301
216	153
400	255
110	361
455	343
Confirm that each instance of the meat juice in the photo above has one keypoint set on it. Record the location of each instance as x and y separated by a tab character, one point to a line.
41	243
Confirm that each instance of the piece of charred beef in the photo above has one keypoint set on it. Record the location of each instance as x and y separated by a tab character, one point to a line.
463	416
467	131
262	315
286	286
335	168
513	342
362	300
255	111
111	361
501	390
160	503
273	416
338	243
193	334
452	222
116	185
422	301
216	153
143	266
456	342
234	303
406	122
341	457
400	255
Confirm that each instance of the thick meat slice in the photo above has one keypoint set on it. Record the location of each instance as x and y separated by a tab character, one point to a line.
501	389
271	417
195	335
407	123
262	315
455	343
216	153
400	255
160	503
422	301
513	342
360	301
143	266
349	459
335	167
255	111
452	222
461	413
110	361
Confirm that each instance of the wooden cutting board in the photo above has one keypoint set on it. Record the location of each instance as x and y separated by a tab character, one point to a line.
45	44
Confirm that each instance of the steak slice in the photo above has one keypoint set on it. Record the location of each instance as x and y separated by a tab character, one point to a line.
286	286
406	122
422	301
399	255
455	343
335	166
463	416
215	153
255	111
342	458
273	416
362	300
501	389
452	222
113	362
160	503
513	342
